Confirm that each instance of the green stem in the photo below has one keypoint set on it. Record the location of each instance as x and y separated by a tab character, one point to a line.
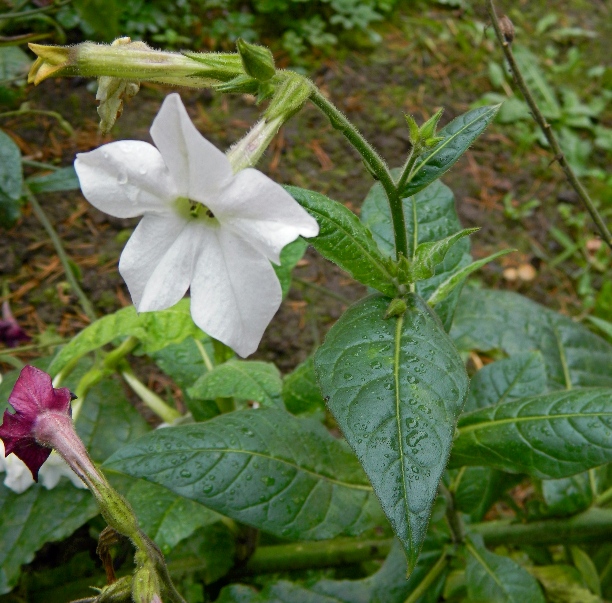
407	169
593	525
429	579
205	357
547	130
165	412
604	498
454	519
302	555
373	161
59	249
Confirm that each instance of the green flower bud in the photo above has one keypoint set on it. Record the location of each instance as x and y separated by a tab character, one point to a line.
257	61
396	308
428	129
413	128
290	94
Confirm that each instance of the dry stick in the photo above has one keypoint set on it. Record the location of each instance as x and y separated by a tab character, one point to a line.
546	129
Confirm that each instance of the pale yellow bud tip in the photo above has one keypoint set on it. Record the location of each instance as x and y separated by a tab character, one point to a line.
50	60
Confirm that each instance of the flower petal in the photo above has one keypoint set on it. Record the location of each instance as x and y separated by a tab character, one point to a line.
34	392
172	275
197	166
263	213
125	178
234	293
153	237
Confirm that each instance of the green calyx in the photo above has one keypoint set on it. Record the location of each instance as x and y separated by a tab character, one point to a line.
289	96
257	61
397	307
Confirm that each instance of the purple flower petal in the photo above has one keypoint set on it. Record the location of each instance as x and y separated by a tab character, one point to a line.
32	398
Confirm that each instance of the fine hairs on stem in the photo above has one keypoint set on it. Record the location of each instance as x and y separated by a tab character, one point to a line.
546	129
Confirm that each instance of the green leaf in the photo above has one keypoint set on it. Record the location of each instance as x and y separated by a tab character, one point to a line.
587	569
262	467
183	361
101	15
477	488
436	218
506	380
568	495
344	240
428	255
13	63
289	257
244	379
457	136
395	388
210	552
154	330
164	516
500	320
301	392
64	179
549	436
35	517
495	579
450	284
11	180
543	93
564	584
107	421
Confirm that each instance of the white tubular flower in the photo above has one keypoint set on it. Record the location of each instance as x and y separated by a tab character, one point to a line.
203	226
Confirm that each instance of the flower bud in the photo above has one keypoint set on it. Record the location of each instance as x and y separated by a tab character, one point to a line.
257	61
396	308
145	584
290	94
134	61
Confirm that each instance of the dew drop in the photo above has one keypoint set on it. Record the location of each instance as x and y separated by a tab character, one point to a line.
122	178
185	473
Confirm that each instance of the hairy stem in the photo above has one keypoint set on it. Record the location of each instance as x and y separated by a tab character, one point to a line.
547	130
59	249
373	161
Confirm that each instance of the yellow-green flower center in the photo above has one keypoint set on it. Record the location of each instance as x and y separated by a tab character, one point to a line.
194	210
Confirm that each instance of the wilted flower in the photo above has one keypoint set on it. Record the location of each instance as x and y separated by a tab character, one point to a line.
203	227
10	332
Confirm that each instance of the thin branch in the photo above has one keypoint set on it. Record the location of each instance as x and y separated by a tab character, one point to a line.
546	129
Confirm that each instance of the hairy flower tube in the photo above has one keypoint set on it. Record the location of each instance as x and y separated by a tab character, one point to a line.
204	227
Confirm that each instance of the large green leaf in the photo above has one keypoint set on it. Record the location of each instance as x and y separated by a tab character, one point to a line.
11	180
549	436
246	379
500	320
344	240
13	63
261	467
457	137
395	388
430	216
183	361
154	330
492	578
301	392
506	380
64	179
35	517
101	15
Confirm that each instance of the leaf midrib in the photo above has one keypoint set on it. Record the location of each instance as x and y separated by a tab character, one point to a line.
501	422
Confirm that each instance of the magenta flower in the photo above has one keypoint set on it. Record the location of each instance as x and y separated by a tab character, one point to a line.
41	414
10	332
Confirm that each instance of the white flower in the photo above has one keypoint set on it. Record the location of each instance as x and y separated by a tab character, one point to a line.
19	478
203	226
